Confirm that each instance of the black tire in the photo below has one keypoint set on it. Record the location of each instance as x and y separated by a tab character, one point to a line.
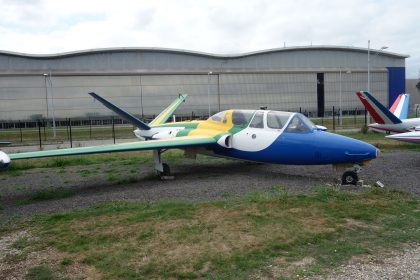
349	178
166	170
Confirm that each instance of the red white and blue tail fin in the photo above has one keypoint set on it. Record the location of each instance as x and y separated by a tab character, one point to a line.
400	106
378	111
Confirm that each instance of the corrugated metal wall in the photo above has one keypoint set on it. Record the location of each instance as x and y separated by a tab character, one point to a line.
350	83
145	81
25	97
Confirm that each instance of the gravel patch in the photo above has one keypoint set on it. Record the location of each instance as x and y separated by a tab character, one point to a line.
6	244
201	180
404	265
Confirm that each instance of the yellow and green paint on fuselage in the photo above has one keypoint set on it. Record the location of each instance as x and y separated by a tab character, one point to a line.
208	127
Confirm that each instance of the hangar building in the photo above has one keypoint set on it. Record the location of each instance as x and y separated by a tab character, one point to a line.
144	80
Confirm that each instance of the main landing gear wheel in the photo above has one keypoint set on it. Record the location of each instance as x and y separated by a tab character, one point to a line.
161	168
166	170
349	178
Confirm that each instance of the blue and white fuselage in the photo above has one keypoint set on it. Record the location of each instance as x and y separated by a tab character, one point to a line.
291	138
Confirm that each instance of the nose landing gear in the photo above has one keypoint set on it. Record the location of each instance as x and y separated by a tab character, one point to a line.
350	176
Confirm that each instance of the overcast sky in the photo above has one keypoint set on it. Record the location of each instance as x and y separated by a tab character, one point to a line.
222	27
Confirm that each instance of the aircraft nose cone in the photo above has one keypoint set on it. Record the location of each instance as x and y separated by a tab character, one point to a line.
361	150
342	149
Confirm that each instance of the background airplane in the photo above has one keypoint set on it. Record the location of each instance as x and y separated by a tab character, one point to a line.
410	137
386	120
400	106
253	135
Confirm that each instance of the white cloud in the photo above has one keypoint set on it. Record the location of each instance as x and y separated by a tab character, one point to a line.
48	26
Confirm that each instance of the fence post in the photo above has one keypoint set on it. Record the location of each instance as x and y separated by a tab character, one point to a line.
338	116
39	134
71	137
113	129
90	128
45	135
67	130
20	129
365	117
355	112
333	114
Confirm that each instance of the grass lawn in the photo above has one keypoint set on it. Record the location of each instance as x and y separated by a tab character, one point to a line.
269	234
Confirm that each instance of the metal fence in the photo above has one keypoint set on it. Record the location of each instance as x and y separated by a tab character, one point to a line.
42	132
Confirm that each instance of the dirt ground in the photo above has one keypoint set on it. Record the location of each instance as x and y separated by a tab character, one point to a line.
201	180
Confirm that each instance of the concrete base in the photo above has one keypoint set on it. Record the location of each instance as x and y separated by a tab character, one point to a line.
164	178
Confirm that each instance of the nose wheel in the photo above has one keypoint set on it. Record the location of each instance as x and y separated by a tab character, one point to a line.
350	176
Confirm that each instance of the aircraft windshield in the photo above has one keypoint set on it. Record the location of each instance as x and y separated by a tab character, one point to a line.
300	123
307	122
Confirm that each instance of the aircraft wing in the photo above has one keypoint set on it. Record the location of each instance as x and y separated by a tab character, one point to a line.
176	142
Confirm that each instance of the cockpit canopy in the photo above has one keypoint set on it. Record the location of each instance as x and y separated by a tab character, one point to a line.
265	119
239	117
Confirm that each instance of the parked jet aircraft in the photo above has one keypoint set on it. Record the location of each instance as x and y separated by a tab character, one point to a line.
253	135
394	121
400	106
410	137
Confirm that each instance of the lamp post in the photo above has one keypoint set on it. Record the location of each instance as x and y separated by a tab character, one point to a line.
368	72
46	94
208	89
341	91
52	101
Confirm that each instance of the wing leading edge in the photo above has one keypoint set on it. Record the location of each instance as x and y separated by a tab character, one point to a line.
178	142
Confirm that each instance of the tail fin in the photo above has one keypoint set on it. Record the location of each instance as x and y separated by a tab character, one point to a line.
166	114
400	106
127	116
378	111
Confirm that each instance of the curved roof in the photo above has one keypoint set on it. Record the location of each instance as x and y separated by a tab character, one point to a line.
202	54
